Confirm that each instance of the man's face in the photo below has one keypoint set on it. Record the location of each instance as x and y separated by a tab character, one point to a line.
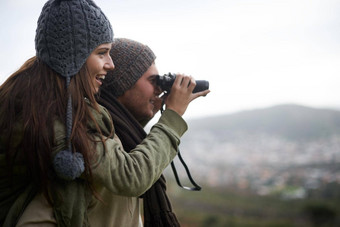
142	99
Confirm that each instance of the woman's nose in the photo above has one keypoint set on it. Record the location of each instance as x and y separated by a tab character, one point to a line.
109	65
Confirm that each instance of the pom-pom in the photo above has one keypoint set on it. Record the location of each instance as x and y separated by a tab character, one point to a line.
68	165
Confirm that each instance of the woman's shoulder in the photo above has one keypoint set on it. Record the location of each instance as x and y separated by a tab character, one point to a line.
101	117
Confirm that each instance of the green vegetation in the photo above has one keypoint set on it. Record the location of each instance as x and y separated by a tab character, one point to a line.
217	207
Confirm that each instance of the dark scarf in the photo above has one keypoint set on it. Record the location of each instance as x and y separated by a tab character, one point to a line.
157	206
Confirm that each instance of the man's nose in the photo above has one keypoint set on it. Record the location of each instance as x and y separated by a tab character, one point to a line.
157	89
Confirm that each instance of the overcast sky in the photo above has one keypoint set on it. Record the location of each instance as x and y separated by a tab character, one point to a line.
255	53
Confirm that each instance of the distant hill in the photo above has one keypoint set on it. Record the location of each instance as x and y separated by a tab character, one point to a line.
292	122
263	149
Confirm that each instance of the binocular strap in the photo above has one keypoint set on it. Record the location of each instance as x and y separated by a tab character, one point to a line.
196	186
173	167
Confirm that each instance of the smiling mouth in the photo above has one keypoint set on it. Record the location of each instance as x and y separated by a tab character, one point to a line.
100	79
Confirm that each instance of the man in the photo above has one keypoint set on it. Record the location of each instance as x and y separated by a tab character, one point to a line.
130	94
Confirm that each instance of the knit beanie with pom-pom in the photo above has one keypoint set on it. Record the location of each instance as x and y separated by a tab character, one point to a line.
67	32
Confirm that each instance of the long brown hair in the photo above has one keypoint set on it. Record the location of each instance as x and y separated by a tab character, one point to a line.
32	99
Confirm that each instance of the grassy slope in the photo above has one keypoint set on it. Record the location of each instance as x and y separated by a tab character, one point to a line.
215	207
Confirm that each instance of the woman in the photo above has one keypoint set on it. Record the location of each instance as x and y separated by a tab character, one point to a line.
57	172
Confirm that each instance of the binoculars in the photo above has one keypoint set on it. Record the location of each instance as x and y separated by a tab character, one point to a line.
166	81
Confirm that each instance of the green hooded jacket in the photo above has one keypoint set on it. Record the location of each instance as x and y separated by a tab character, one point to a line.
121	173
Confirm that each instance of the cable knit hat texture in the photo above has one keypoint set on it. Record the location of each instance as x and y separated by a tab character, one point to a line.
67	32
131	59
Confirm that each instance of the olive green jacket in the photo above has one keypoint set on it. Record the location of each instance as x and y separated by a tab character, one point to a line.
120	173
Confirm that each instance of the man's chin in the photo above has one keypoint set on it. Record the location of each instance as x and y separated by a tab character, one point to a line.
149	116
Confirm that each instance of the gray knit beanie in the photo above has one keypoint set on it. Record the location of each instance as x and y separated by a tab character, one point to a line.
67	32
131	60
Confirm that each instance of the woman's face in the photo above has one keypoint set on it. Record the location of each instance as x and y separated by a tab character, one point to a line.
98	64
